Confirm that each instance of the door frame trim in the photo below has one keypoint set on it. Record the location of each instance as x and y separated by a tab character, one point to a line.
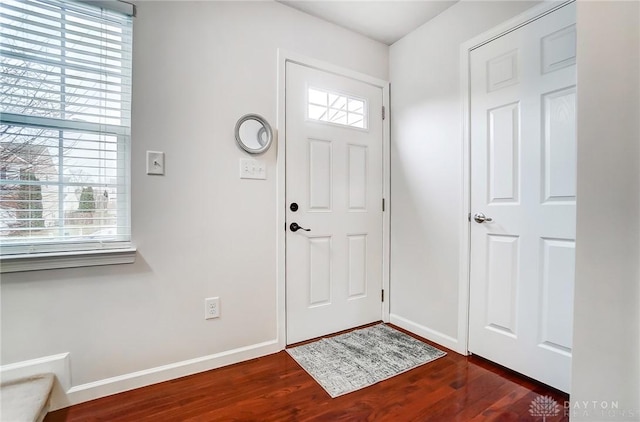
464	278
284	57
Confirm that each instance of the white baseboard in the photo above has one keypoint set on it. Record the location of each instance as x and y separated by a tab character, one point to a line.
106	387
428	333
64	395
55	364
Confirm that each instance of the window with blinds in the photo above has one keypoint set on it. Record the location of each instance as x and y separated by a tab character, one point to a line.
65	101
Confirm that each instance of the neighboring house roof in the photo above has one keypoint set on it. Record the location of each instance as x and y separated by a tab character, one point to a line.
25	154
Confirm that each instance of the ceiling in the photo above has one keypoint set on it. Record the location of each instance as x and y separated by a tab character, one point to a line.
385	21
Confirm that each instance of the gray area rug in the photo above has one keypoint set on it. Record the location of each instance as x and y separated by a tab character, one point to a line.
361	358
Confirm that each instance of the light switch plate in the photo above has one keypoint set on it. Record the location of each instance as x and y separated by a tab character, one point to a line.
155	162
252	169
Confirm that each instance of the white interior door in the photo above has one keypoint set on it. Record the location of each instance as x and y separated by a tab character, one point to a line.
334	178
523	170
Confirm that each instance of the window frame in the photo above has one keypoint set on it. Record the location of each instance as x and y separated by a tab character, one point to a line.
27	256
347	96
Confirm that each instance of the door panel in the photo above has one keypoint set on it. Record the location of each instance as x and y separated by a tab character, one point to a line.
320	177
559	147
523	177
504	147
558	272
334	174
502	283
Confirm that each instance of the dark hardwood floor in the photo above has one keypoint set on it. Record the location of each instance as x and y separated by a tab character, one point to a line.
275	388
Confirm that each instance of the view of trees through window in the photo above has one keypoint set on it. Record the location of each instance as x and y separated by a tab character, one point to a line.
64	122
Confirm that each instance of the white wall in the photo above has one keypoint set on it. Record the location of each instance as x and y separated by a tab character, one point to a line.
200	230
426	167
606	358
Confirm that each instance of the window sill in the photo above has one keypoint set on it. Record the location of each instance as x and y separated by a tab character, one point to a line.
57	260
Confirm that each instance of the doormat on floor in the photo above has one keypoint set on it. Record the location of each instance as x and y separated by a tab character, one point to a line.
361	358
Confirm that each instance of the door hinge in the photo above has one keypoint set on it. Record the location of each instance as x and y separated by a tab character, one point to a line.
382	295
382	204
383	113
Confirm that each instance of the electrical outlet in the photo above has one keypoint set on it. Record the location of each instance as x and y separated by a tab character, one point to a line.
212	308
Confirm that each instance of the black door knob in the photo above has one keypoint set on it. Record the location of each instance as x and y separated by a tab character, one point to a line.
293	207
294	227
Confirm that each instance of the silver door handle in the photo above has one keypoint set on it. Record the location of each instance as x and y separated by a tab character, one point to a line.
481	218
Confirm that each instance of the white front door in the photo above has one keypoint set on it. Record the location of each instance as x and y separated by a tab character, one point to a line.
334	190
523	177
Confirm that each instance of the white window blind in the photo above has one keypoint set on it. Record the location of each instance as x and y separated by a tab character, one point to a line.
65	102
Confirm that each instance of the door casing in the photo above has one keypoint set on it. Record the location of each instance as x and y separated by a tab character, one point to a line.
285	56
465	239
